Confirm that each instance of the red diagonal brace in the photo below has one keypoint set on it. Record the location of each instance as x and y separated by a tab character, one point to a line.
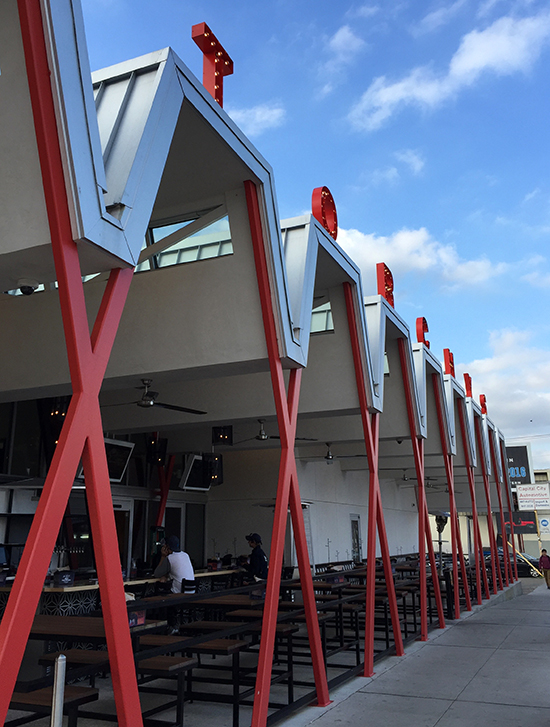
424	532
165	476
508	500
287	492
456	541
495	566
481	571
506	554
371	425
81	434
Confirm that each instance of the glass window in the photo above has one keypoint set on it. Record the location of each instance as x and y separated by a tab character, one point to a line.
213	241
321	319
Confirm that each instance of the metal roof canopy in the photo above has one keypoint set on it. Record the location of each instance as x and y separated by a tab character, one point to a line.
24	231
172	154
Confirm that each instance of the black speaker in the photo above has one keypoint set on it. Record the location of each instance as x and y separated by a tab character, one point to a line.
212	469
222	435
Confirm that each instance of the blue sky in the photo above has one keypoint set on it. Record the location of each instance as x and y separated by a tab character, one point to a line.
429	124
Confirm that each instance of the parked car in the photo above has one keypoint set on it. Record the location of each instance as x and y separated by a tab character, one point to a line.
525	569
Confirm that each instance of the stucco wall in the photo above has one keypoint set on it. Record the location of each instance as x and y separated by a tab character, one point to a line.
244	503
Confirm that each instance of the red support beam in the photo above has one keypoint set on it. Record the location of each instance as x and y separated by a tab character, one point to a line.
165	477
508	576
510	509
456	541
478	549
82	433
371	424
288	492
424	532
495	567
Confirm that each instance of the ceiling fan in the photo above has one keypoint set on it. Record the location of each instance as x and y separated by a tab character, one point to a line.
149	399
329	457
429	483
262	435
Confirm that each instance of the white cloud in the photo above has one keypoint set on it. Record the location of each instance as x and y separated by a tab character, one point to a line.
366	11
436	19
415	250
388	175
412	159
516	382
342	49
257	119
508	46
486	7
537	279
531	194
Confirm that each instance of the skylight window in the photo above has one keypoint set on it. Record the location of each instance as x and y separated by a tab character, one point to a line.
209	242
321	319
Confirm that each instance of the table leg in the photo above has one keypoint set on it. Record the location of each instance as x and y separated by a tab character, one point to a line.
290	669
236	690
180	698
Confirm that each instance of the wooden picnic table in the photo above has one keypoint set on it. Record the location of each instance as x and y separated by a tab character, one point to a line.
81	628
232	600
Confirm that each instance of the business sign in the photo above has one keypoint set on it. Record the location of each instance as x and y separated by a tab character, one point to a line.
519	465
534	497
525	523
544	525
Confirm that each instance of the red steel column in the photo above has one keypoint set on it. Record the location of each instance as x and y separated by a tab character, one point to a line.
456	541
424	532
497	577
165	476
287	492
371	424
480	565
82	430
509	502
506	554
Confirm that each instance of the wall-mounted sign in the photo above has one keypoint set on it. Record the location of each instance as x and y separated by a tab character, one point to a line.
519	465
544	525
534	497
525	523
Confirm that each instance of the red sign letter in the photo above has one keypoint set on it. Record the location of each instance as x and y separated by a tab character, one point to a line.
384	279
449	361
468	384
216	63
421	329
324	210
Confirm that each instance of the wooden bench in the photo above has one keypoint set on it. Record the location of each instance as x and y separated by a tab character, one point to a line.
97	661
214	647
168	667
203	627
40	702
246	614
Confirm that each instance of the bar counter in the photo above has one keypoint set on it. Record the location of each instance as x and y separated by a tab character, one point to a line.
83	598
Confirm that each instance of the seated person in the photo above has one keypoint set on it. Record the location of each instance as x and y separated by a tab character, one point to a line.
227	560
242	561
258	559
175	565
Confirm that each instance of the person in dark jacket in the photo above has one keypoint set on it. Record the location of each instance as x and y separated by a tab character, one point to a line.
544	565
258	559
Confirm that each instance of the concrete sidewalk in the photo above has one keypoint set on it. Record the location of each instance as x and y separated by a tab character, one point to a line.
491	668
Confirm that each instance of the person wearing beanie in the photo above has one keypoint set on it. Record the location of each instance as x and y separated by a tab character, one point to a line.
258	559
